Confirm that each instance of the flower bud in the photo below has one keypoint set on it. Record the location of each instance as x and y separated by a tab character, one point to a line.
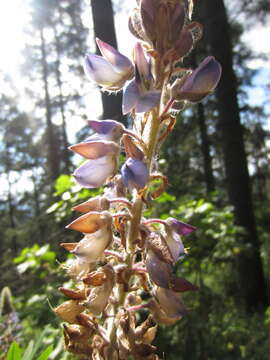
147	12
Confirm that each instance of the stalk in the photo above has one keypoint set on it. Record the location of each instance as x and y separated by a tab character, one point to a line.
110	282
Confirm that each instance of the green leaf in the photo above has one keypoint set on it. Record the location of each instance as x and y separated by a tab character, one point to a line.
63	184
29	353
14	352
54	207
46	353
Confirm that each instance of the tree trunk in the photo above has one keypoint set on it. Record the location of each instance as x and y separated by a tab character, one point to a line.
104	29
53	149
65	152
205	146
252	281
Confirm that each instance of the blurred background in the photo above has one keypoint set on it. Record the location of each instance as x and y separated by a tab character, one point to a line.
217	161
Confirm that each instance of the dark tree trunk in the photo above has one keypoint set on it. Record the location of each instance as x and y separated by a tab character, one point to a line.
217	32
205	146
104	29
65	152
53	149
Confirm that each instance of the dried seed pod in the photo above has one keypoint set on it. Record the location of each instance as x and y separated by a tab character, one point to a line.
73	294
95	278
157	243
98	298
69	310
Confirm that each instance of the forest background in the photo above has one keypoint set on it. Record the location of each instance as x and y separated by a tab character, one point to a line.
217	162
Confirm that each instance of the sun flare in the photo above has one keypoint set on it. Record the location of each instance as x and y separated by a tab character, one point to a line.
13	17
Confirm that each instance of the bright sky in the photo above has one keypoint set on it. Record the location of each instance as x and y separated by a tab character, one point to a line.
14	14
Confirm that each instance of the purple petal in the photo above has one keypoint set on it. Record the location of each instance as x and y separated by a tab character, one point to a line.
142	62
170	302
180	227
203	80
130	97
160	272
100	70
175	245
135	174
104	127
94	173
147	101
119	62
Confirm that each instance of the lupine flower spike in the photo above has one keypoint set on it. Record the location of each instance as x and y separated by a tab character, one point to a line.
123	254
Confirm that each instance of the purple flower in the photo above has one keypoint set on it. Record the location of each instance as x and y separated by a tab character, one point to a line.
201	82
135	174
111	70
180	227
170	302
106	130
159	271
139	93
175	245
94	173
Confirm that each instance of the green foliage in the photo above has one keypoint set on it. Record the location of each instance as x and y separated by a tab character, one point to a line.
70	194
30	353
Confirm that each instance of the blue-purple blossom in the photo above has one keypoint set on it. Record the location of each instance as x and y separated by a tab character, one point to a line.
139	94
201	82
180	227
94	173
175	245
111	70
135	174
109	130
159	271
170	302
